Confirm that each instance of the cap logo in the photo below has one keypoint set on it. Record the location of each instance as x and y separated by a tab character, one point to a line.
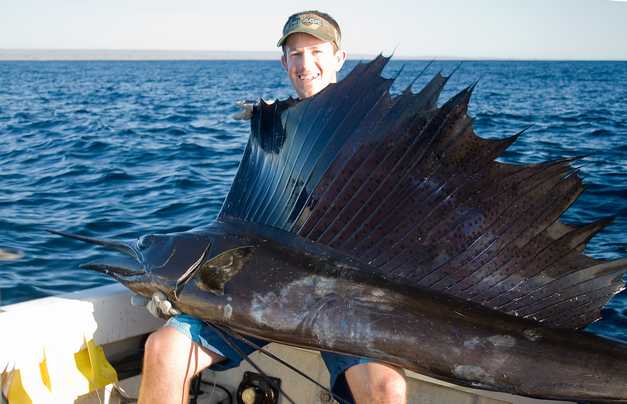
303	20
310	21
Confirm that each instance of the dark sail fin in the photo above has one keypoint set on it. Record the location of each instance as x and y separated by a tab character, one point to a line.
410	190
365	164
290	148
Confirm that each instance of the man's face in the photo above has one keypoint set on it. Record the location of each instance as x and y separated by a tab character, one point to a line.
311	63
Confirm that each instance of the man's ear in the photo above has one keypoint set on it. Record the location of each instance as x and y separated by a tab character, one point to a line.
340	57
284	61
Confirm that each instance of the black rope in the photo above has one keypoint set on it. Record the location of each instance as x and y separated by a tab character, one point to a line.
247	359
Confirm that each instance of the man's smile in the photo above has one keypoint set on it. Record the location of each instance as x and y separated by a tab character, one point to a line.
308	77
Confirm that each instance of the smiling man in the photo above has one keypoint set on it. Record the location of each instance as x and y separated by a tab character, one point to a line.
312	56
311	52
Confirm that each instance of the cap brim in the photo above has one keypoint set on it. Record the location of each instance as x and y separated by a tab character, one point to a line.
312	32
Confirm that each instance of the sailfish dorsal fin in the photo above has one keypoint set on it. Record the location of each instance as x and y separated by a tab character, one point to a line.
409	189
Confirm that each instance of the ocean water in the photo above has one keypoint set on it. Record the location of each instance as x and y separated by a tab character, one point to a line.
120	149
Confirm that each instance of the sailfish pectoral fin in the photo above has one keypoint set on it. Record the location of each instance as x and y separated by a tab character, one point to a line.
182	280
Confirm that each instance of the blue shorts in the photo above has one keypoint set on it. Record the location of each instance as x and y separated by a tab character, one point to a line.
208	338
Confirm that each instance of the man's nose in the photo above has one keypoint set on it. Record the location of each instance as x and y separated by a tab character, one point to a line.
308	60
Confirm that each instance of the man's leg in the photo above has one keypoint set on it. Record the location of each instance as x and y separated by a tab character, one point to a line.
372	383
363	381
183	348
171	360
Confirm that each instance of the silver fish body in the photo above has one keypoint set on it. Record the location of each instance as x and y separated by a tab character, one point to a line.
282	288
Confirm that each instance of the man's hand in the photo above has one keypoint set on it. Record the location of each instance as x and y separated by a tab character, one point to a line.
246	112
159	306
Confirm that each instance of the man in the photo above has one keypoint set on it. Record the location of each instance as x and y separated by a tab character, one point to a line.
312	56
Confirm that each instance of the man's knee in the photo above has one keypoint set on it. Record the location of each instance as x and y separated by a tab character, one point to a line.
390	388
377	383
160	343
169	349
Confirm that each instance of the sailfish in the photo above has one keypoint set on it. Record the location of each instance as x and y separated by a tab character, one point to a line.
381	225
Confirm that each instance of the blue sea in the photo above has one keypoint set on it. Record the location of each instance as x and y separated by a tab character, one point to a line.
121	149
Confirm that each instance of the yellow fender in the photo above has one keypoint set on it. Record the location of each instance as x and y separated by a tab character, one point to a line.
61	376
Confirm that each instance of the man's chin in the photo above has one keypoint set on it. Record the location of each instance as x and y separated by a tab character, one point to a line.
310	90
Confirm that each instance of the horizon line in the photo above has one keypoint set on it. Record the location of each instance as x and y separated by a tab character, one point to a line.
79	54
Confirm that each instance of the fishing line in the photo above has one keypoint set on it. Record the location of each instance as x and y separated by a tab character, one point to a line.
213	387
247	359
125	398
98	396
284	363
218	386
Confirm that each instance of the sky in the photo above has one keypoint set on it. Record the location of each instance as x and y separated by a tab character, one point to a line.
500	29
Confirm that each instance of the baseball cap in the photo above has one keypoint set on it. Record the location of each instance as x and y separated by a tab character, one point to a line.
312	24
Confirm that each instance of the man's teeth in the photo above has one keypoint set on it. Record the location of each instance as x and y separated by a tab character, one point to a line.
308	76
